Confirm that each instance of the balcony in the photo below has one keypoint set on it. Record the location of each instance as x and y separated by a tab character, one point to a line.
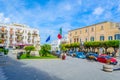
18	32
29	33
4	37
34	34
2	41
18	39
11	32
3	31
11	38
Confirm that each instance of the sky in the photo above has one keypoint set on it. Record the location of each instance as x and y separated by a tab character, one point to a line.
48	16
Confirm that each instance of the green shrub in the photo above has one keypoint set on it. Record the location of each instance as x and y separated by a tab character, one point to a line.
45	50
28	49
4	50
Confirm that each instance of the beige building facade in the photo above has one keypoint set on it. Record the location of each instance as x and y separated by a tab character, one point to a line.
97	32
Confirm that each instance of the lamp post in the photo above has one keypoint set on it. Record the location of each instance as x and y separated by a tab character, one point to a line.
119	39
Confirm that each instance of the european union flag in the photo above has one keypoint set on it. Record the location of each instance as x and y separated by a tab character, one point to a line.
48	38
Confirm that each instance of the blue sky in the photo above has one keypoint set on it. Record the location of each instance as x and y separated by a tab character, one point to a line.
49	15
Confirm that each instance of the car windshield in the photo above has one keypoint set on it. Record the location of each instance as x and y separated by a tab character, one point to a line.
108	57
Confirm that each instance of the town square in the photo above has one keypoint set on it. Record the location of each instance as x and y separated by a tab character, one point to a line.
59	40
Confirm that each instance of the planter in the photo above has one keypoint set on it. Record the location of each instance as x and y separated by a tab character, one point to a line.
108	68
63	56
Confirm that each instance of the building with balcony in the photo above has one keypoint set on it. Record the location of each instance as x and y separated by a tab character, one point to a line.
97	32
12	35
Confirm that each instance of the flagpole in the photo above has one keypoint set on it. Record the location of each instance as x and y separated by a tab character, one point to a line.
59	38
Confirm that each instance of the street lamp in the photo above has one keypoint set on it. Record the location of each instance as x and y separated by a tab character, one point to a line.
119	39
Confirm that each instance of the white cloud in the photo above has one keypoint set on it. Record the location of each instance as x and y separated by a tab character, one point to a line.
4	19
98	11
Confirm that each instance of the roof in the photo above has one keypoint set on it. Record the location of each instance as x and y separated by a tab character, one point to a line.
90	25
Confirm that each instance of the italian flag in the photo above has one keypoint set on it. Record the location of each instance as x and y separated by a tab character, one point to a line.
60	34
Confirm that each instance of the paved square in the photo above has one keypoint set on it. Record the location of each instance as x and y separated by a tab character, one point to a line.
69	69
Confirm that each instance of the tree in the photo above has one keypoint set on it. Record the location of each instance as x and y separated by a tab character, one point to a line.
63	47
1	41
28	50
45	50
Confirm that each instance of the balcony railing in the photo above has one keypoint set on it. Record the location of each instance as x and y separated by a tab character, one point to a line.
3	32
29	33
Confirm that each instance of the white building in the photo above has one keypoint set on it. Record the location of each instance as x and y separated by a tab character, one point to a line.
18	34
55	44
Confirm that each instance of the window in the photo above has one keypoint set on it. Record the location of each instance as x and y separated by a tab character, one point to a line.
70	34
2	35
70	40
75	32
86	30
109	37
101	27
92	39
80	39
80	31
117	36
74	40
77	39
86	39
92	29
101	38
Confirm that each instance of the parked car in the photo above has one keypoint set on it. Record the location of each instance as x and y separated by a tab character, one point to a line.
107	59
71	53
92	56
57	53
80	55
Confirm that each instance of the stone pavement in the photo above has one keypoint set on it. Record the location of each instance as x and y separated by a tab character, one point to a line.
2	76
69	69
2	64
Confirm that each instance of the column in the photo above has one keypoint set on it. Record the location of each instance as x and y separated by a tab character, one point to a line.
8	37
31	37
26	36
14	36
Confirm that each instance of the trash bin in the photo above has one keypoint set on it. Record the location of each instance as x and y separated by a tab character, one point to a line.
63	56
19	55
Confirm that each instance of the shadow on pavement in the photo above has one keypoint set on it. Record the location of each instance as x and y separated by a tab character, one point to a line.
117	69
16	70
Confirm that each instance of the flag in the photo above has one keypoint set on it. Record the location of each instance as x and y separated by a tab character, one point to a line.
61	31
60	34
48	38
